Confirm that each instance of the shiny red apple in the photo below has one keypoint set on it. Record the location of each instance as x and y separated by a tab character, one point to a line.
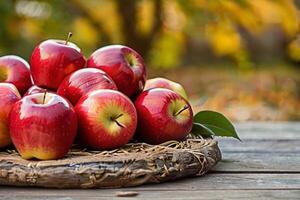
35	89
107	119
124	65
15	70
83	81
52	60
8	96
163	115
43	126
165	83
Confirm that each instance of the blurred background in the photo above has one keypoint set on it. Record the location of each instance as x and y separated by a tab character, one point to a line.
239	57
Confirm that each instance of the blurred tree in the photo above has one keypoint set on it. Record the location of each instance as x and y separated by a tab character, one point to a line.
128	11
244	29
165	32
129	18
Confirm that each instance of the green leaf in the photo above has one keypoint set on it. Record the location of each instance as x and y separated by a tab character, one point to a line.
199	129
208	122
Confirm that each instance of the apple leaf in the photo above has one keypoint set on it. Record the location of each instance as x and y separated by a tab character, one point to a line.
199	129
208	123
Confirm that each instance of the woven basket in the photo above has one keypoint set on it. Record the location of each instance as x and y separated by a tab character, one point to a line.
135	164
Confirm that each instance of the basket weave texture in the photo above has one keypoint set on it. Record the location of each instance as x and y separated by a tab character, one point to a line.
132	165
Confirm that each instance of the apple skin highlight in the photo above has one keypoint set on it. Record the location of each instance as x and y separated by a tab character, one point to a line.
52	60
15	70
107	119
160	82
43	127
163	115
35	89
83	81
8	96
124	65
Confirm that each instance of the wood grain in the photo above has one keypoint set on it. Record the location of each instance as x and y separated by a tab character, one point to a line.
270	131
259	146
259	162
35	194
266	165
229	181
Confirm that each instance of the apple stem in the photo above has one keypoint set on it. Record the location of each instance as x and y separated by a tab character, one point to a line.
120	115
68	38
117	122
44	98
181	110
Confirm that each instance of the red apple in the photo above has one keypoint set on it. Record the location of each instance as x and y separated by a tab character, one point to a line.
165	83
35	89
8	96
107	119
43	126
163	115
83	81
15	70
52	60
124	65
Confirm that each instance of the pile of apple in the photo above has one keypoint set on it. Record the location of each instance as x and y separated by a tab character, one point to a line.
102	103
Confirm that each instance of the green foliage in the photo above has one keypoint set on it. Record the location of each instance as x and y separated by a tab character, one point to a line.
162	56
166	33
209	123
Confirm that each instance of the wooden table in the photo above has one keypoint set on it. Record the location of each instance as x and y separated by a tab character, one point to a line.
266	165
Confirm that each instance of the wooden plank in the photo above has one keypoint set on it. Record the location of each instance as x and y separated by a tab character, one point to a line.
111	194
267	149
258	162
269	130
238	181
212	181
264	137
259	145
281	125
